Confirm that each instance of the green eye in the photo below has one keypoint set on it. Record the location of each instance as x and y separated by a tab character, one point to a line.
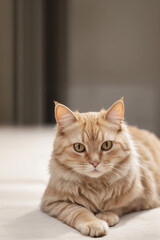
107	145
79	147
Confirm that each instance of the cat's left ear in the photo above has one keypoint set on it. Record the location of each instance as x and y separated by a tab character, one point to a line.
64	116
115	113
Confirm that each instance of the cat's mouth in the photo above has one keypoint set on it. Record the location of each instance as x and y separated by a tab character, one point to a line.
95	171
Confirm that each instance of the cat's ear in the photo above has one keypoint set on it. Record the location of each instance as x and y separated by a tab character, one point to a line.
115	113
64	116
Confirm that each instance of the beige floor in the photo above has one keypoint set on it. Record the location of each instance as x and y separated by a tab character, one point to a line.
24	155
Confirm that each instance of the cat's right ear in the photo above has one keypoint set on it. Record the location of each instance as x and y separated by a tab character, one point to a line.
63	115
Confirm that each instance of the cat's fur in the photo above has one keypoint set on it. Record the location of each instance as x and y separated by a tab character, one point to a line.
127	176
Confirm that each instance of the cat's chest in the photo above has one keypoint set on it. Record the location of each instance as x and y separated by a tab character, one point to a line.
94	197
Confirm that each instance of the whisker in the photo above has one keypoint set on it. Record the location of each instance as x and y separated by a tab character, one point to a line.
115	171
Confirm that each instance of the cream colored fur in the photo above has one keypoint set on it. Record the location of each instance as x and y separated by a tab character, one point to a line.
127	177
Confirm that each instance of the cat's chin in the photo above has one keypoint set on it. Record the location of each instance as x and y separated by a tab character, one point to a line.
94	174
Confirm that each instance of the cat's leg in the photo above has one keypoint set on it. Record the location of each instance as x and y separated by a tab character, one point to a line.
112	218
76	216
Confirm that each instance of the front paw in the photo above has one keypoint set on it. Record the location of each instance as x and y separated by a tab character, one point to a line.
95	228
110	217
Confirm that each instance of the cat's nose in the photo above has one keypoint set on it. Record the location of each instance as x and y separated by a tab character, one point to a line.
95	163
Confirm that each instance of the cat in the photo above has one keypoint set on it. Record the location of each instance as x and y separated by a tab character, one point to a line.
100	169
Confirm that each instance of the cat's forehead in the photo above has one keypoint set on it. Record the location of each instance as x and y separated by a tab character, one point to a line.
92	129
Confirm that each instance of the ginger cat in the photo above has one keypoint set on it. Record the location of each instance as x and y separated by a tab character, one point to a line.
100	169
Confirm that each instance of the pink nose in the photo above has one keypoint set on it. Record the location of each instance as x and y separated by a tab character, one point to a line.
95	163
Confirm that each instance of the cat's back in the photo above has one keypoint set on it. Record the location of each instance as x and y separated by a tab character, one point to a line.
147	144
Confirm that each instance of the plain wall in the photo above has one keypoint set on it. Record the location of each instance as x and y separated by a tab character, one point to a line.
6	62
114	51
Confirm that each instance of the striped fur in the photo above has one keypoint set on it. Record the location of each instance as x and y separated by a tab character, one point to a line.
127	177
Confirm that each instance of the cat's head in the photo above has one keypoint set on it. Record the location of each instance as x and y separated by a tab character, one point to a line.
92	143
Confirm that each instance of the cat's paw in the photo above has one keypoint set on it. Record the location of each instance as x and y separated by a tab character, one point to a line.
94	228
110	217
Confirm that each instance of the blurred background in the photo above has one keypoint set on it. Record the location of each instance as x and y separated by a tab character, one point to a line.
85	54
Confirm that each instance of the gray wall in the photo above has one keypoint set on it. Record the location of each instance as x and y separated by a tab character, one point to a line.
6	62
114	51
21	61
32	60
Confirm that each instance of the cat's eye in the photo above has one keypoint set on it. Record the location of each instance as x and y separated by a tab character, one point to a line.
107	145
79	147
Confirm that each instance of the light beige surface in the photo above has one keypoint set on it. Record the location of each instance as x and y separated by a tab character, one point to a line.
24	155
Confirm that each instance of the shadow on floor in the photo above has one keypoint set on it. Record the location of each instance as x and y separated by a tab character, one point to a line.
38	225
